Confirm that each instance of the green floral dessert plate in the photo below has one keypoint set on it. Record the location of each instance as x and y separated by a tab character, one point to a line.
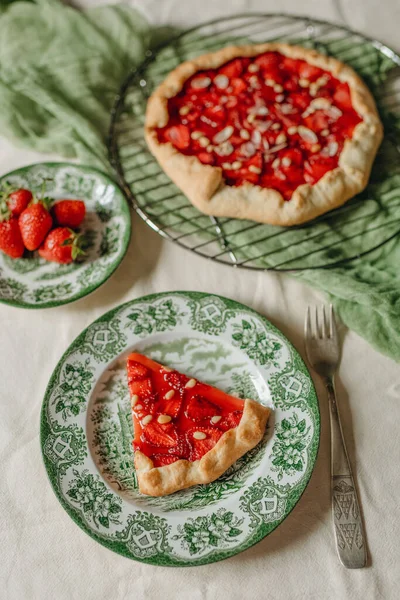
35	283
86	430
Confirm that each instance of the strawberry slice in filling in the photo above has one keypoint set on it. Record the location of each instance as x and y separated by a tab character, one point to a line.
175	416
269	120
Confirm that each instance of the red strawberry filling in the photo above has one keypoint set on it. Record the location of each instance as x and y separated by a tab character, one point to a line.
271	121
176	417
199	409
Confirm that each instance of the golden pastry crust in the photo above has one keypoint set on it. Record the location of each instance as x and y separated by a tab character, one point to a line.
204	185
161	481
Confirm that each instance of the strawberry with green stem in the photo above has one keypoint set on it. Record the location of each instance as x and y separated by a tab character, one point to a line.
62	245
35	221
10	236
13	200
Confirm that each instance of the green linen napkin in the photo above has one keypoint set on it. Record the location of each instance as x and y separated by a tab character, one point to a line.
59	72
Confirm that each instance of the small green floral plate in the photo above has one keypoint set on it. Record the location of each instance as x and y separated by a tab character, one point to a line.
36	283
86	430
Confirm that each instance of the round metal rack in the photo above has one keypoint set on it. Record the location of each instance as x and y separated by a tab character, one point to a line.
360	226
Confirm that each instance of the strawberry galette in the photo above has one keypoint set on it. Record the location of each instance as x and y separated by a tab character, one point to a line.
274	133
186	432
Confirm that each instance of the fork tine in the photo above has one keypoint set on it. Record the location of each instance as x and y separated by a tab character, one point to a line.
317	330
323	322
321	340
307	325
332	323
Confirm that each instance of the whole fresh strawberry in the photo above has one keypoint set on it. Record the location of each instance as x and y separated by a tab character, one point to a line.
10	238
13	200
62	245
69	213
35	222
18	200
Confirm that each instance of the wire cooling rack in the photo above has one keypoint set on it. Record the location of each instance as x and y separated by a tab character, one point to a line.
364	224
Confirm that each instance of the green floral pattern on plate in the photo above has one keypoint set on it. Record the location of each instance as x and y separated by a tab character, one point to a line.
72	392
86	430
32	282
65	446
97	504
292	437
265	501
146	536
254	341
215	530
156	317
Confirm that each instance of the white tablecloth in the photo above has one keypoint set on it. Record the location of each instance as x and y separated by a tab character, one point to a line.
44	555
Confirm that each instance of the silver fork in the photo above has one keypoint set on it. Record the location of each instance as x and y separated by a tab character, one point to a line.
322	348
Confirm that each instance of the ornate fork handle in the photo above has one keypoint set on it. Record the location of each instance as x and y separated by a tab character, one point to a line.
349	530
